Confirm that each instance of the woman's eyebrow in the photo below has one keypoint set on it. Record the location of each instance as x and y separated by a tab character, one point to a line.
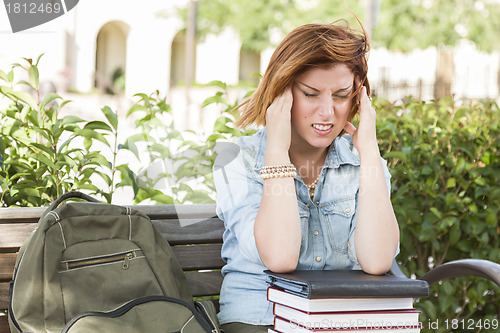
344	89
308	86
338	91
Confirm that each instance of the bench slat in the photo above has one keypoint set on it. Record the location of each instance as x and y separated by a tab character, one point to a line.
204	232
204	283
4	325
183	211
197	257
12	236
7	262
4	295
192	257
155	212
21	214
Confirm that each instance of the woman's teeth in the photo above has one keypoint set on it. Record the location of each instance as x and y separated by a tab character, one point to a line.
322	127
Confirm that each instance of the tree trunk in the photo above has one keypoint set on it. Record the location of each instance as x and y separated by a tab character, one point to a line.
445	70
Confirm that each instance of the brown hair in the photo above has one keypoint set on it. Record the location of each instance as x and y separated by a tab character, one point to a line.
307	46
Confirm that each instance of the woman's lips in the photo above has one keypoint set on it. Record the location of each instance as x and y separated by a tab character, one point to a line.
322	129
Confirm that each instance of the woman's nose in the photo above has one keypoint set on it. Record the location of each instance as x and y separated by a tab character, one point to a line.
326	107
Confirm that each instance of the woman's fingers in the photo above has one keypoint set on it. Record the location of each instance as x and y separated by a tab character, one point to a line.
364	97
278	121
288	99
349	128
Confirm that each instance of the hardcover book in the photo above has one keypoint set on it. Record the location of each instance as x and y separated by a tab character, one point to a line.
346	284
284	326
351	319
337	304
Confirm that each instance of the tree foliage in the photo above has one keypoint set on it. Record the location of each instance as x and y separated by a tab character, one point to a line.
399	25
406	25
255	22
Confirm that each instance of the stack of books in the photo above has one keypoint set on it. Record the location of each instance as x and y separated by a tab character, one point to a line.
344	301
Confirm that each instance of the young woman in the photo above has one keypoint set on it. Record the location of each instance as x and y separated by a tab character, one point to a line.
300	194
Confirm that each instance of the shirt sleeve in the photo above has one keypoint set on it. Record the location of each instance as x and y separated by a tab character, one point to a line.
239	193
351	242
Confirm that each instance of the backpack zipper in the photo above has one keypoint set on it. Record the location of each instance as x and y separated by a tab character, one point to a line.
11	293
127	306
207	317
124	257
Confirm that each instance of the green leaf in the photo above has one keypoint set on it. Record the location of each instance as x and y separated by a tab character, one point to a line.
98	125
89	187
214	99
135	108
480	181
111	116
19	95
44	148
455	234
130	145
49	98
4	76
436	212
451	183
427	170
91	134
29	60
397	155
38	59
217	83
71	120
34	77
43	159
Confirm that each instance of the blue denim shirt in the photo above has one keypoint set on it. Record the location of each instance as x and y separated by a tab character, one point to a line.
327	223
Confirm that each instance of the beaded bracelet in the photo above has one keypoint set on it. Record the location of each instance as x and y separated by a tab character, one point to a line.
276	171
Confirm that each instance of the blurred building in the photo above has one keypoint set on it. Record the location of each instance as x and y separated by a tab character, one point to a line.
122	45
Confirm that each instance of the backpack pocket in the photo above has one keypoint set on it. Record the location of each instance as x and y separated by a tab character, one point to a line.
102	275
145	314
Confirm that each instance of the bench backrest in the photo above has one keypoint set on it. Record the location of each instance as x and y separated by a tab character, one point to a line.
193	231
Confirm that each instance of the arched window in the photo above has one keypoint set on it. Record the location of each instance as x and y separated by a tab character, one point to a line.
178	59
249	66
111	57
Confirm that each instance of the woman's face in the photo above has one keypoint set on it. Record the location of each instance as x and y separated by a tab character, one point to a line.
321	104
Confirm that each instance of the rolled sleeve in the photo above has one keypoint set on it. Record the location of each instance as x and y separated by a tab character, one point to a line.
388	182
351	245
238	200
351	242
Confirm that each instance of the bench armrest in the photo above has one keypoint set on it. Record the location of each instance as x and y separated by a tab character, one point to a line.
465	267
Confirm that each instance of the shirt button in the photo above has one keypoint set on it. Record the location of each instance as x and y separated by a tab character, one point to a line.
317	203
316	232
348	210
318	259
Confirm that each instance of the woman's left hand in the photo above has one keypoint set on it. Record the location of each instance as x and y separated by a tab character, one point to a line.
364	136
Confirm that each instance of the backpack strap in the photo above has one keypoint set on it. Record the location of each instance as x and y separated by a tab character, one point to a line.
71	195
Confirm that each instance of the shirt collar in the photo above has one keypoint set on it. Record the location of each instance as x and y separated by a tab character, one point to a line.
340	152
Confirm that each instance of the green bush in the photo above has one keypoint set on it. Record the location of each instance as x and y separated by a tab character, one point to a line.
182	161
42	154
445	166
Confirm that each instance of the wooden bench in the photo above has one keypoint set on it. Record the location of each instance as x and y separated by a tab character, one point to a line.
197	244
195	233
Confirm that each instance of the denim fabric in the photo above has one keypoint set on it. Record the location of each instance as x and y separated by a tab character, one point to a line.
327	223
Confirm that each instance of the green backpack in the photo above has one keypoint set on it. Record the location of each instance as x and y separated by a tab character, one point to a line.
94	267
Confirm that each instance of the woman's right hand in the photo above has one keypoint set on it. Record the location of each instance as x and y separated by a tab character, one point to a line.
278	123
